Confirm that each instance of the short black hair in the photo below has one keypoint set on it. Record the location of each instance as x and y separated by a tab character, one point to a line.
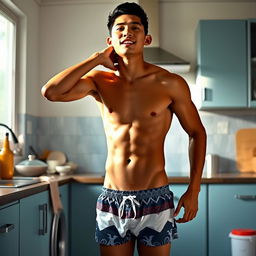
128	8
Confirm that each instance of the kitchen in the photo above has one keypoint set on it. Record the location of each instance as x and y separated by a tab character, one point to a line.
51	43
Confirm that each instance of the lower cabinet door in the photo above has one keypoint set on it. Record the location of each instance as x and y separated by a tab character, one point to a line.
83	219
192	236
231	206
9	230
35	225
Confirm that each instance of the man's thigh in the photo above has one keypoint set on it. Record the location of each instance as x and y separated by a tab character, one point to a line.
125	249
163	250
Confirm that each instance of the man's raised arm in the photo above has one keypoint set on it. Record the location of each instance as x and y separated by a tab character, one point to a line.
76	81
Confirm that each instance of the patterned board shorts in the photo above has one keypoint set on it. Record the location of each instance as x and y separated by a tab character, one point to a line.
144	215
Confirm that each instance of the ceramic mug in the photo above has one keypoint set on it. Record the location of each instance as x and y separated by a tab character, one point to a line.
52	165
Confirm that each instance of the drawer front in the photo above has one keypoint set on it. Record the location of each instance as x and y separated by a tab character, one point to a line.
9	230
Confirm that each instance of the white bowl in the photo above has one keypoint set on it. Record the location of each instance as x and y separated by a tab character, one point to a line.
63	169
30	170
72	165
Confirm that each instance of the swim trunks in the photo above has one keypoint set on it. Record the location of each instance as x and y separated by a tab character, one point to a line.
144	215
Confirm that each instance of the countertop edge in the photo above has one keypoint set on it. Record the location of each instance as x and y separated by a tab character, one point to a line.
17	194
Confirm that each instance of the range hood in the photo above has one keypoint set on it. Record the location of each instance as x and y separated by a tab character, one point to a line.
166	60
155	54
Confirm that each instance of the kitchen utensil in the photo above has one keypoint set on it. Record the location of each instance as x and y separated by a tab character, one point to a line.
52	166
72	165
246	150
57	155
31	167
63	169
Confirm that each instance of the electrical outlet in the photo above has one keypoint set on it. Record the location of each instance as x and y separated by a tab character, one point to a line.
29	127
222	127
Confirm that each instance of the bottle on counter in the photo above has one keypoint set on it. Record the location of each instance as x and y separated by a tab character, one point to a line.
212	165
6	160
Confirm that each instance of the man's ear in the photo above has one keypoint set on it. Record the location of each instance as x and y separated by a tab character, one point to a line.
148	40
109	40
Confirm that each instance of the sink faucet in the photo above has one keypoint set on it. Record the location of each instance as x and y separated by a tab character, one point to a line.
17	149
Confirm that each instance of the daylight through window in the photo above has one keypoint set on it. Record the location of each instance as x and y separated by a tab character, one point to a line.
7	69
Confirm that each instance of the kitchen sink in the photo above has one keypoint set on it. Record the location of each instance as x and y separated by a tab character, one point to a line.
18	182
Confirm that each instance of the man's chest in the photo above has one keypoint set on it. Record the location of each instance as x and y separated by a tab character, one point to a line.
133	101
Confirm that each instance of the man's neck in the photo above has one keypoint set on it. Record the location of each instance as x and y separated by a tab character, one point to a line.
131	67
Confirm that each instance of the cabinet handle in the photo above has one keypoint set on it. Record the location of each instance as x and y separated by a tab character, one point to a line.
207	94
42	219
45	218
6	228
245	197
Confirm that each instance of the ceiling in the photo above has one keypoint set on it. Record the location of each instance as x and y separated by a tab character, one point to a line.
50	2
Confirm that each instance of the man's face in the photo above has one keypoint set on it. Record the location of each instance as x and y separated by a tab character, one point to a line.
128	35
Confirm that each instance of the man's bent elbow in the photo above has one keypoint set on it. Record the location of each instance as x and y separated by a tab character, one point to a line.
202	133
48	94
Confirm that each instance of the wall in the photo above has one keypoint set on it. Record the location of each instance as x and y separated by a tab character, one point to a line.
68	35
71	32
28	12
83	140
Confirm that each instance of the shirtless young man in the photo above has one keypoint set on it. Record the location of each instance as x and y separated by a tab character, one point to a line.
137	101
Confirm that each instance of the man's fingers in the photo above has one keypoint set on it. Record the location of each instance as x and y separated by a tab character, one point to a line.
177	210
188	216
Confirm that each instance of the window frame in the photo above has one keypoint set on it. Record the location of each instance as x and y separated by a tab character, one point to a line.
8	14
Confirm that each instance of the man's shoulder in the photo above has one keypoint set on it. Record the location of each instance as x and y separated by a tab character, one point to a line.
162	73
98	74
169	78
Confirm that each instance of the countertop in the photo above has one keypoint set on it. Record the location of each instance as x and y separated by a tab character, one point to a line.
178	178
8	195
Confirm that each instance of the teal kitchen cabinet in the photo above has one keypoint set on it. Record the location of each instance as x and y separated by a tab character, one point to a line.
83	219
35	224
192	235
83	203
222	63
252	61
64	196
230	206
9	229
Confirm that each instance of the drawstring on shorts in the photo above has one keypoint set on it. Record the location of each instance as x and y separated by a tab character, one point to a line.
133	201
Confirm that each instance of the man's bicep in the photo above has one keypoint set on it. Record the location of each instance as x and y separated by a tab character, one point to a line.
187	115
183	107
84	87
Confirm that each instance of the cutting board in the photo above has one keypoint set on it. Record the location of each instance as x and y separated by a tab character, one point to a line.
246	150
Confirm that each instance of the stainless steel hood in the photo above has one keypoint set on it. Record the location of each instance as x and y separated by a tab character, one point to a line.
155	54
166	60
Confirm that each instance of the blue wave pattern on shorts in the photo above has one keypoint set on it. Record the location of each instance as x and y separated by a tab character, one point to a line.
151	201
147	236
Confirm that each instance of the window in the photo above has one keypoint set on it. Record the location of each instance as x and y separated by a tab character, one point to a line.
7	67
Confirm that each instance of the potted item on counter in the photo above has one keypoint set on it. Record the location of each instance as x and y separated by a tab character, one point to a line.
31	167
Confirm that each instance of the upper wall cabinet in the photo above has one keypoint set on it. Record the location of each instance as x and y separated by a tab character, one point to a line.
252	62
223	58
